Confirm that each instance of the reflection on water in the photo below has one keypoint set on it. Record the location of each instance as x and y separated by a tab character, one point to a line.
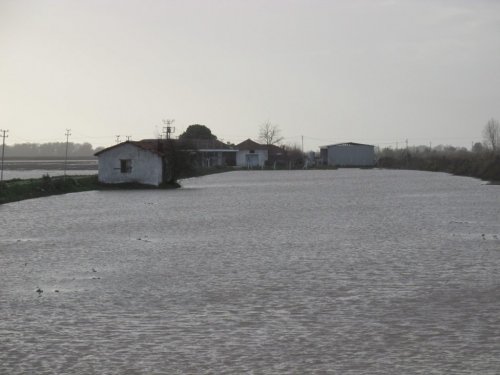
348	272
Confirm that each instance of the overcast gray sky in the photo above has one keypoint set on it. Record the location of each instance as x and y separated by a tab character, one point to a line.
373	71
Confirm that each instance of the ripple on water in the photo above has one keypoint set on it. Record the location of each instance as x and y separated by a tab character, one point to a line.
348	271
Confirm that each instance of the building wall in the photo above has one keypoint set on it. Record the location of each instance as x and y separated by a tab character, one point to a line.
351	155
214	158
241	158
146	166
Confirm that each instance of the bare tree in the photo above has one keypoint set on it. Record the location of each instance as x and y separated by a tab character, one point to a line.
270	134
491	134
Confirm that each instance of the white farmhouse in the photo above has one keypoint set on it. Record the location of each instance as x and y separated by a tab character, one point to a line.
251	154
348	155
132	162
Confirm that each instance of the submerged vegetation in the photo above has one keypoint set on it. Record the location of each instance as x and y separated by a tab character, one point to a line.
479	163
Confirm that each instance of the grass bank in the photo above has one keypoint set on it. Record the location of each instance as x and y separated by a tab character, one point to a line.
19	189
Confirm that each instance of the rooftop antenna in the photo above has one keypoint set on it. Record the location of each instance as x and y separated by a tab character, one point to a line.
168	129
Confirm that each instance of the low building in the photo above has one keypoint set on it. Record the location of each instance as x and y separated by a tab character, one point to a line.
147	161
348	154
251	154
212	153
132	161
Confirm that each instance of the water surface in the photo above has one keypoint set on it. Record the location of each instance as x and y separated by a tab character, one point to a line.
342	272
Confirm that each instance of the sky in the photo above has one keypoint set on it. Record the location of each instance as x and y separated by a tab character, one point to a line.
370	71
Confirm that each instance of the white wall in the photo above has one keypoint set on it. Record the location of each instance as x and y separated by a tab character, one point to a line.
146	166
241	157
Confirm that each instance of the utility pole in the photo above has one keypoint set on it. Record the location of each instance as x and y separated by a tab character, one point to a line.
169	129
128	137
302	144
117	140
3	149
67	134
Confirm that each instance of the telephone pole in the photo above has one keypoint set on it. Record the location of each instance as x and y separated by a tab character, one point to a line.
67	134
3	149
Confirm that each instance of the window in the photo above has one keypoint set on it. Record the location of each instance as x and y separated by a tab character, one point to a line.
125	165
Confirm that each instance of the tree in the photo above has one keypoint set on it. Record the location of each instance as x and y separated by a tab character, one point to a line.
197	131
270	134
491	134
178	160
477	148
294	155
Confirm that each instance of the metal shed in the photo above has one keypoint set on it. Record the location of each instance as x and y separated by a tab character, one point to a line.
348	154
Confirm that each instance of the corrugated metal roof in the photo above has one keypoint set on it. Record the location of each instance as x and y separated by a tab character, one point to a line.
347	144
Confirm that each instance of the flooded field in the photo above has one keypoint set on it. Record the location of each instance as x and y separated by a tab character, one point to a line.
289	272
36	168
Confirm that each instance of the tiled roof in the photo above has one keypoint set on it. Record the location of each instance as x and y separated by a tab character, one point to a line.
208	144
250	145
158	146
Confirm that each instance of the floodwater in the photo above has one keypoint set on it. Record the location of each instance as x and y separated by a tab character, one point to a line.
290	272
37	168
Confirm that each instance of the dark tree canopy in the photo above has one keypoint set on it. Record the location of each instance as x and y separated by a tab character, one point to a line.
197	131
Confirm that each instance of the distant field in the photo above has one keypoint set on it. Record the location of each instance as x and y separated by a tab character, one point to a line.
36	168
50	164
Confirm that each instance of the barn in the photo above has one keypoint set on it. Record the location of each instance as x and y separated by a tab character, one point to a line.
348	154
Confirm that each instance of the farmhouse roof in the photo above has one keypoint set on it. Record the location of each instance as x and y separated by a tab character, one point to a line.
250	145
209	144
146	144
157	146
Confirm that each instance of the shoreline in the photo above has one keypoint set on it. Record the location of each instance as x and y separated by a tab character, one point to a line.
17	189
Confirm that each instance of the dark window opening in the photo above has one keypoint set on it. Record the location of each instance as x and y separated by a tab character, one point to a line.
126	165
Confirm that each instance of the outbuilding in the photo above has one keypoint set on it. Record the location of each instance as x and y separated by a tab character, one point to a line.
251	154
348	154
132	162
